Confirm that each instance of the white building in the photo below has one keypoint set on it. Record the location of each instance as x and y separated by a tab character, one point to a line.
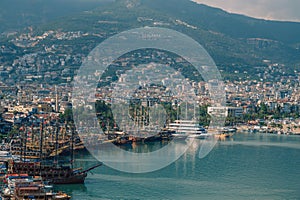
227	111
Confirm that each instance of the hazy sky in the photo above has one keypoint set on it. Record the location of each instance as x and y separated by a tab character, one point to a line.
267	9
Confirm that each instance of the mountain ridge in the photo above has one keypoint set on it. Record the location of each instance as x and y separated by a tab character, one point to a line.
229	38
251	24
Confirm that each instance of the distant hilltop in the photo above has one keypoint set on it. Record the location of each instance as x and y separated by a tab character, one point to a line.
240	45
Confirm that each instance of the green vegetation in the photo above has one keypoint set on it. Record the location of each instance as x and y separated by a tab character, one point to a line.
67	116
225	36
104	115
204	117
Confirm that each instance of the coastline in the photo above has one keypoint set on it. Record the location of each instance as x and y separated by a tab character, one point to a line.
285	130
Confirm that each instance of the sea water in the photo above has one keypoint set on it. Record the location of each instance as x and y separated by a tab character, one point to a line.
246	166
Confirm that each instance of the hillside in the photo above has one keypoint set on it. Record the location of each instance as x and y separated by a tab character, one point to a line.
18	14
236	42
230	38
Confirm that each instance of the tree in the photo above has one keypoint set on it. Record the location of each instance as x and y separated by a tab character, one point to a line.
67	116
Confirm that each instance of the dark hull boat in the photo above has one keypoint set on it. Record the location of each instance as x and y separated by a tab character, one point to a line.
50	173
53	173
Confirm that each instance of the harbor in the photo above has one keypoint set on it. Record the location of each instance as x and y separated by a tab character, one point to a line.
36	157
238	166
44	156
40	153
55	163
36	176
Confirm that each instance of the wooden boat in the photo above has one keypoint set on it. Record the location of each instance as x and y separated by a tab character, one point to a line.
51	173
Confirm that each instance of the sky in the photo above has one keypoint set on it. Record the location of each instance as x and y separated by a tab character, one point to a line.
284	10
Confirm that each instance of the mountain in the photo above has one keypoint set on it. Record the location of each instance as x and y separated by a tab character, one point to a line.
230	38
18	14
236	42
233	25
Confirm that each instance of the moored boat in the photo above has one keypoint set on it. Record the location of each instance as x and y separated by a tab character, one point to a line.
51	173
187	128
23	186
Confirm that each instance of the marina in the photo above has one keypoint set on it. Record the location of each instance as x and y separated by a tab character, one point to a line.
48	178
54	164
245	166
32	165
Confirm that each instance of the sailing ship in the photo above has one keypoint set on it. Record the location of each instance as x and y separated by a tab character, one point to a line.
52	173
27	145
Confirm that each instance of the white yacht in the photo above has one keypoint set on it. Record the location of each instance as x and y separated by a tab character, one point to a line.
187	128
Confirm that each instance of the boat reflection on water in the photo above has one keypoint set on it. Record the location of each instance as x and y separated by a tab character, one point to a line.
137	151
141	157
242	161
151	146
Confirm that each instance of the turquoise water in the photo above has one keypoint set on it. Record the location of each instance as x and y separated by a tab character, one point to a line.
243	167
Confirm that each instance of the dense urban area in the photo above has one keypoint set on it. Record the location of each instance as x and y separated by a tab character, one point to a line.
40	84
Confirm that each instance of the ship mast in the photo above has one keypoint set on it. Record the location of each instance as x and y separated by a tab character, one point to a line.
41	141
21	134
25	142
72	145
56	142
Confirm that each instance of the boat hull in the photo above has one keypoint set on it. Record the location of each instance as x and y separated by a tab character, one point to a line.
76	179
51	174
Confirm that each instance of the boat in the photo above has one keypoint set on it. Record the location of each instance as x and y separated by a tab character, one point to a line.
187	128
198	136
31	149
23	186
54	172
162	135
222	136
228	130
225	132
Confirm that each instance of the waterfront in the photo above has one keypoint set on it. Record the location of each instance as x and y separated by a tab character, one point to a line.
247	166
